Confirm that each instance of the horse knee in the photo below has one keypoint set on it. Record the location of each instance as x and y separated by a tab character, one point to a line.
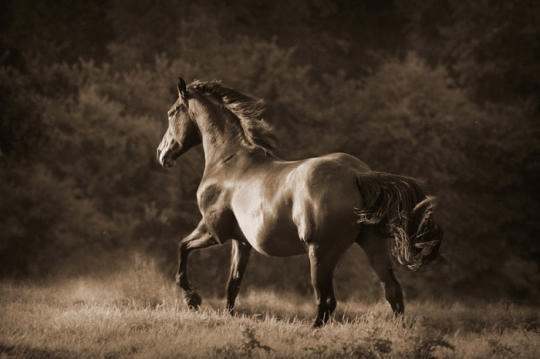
182	246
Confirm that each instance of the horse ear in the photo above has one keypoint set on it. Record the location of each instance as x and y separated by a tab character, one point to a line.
182	91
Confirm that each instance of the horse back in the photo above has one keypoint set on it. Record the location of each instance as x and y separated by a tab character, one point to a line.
282	205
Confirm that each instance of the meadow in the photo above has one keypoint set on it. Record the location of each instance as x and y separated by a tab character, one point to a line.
137	313
443	91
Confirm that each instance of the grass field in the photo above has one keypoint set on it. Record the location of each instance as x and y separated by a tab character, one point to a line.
138	314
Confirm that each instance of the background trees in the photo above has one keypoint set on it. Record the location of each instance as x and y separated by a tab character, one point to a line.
443	91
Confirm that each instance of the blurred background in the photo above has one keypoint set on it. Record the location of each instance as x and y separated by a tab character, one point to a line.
442	90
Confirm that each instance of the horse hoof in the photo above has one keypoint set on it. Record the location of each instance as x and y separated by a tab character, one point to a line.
398	310
193	300
317	324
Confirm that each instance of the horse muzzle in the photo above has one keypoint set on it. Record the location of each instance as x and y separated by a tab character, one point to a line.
167	156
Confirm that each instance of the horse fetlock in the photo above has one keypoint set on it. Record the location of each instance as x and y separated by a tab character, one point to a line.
324	311
182	282
322	317
193	300
397	306
230	309
331	304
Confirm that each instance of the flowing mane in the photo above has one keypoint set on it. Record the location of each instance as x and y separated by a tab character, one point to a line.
257	132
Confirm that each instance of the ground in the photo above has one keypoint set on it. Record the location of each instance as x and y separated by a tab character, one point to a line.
140	315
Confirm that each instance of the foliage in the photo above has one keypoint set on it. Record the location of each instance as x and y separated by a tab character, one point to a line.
490	46
81	115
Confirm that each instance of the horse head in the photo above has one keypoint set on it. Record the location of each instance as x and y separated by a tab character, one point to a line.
182	133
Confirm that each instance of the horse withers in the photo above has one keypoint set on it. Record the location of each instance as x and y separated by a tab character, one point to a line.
319	206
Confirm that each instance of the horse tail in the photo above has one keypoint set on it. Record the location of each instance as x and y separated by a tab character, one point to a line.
401	211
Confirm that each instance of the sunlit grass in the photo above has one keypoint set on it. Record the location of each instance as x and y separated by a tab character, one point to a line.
138	313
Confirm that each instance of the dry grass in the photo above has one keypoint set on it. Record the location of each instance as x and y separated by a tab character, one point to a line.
138	314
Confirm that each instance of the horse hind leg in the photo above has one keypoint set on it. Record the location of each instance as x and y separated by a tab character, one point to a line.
378	255
322	270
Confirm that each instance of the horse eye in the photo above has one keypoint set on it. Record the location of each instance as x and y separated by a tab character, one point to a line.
173	111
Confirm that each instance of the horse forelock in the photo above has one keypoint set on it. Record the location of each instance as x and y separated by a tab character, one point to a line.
248	110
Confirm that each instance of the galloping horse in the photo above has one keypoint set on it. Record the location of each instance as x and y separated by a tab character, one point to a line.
319	206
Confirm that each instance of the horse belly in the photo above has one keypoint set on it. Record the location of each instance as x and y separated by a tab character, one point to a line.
270	234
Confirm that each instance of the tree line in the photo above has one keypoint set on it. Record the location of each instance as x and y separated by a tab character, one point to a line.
433	89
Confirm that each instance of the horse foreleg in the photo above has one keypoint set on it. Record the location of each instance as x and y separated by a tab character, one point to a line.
198	239
378	255
240	252
322	270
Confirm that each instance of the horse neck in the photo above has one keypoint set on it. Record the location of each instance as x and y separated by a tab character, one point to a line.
220	134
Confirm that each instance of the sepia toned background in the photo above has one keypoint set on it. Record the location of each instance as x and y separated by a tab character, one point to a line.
440	90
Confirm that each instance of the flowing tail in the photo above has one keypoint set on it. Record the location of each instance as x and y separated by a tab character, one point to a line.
401	211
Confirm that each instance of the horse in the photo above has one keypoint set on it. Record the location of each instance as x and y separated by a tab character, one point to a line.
318	206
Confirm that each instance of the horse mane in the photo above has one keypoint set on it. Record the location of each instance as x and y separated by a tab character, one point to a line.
257	133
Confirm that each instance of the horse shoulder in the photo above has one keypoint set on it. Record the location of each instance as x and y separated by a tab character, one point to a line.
214	204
